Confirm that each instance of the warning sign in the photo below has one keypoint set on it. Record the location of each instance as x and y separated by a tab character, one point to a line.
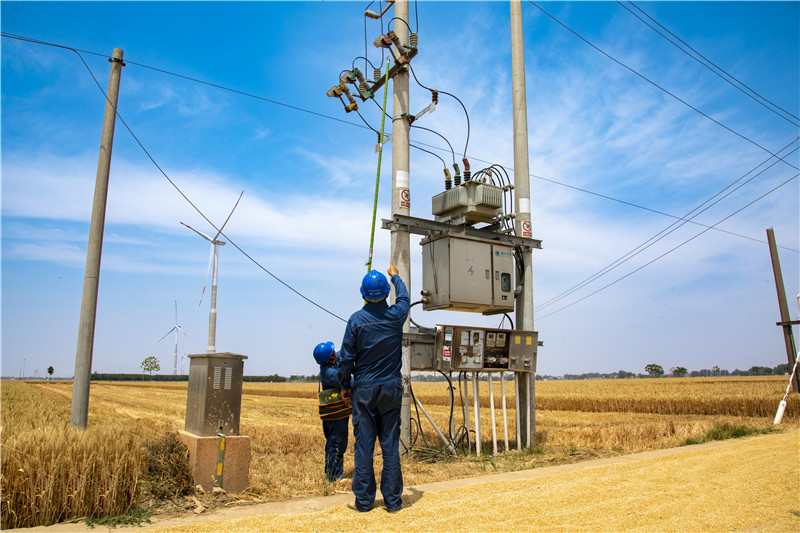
405	198
446	353
526	229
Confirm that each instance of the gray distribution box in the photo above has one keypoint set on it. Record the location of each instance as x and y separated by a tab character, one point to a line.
467	274
214	401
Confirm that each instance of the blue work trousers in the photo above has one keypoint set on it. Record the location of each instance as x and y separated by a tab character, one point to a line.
376	415
335	445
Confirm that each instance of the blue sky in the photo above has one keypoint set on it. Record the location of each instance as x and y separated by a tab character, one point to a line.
307	170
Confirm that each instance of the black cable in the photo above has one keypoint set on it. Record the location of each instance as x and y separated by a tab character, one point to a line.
401	20
466	145
175	186
717	70
663	233
654	84
671	250
367	126
412	145
440	135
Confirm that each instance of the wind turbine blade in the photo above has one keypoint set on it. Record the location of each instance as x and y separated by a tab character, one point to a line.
176	313
208	273
203	235
229	216
165	335
181	330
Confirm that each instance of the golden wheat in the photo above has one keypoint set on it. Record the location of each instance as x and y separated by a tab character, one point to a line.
51	472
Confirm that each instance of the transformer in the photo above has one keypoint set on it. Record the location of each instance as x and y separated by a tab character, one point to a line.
472	201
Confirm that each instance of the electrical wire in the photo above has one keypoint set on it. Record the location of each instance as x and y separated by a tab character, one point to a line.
367	126
672	249
199	211
654	84
666	231
466	144
443	138
713	67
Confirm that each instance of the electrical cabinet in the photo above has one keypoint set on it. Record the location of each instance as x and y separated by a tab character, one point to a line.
214	399
467	274
468	348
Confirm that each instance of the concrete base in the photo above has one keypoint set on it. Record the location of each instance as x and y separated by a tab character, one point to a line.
204	455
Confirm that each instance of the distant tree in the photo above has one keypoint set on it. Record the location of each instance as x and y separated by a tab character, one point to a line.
678	371
150	364
782	370
715	370
654	369
50	371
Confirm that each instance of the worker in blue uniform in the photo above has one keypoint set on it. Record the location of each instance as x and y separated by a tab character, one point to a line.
369	370
334	424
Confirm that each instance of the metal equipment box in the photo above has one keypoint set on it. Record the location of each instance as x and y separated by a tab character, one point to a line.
467	274
468	348
214	401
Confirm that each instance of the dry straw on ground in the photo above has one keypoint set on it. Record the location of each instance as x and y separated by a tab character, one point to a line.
287	441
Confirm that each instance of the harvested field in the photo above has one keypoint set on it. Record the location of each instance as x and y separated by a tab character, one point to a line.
747	484
287	441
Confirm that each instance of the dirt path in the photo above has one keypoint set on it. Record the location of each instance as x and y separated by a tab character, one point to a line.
744	484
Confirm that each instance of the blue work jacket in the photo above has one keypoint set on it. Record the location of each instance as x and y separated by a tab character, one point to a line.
329	377
371	349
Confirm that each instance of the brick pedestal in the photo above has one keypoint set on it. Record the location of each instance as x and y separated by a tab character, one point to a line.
204	455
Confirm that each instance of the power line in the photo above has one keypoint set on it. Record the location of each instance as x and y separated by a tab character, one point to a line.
367	126
713	67
664	232
654	84
671	250
175	186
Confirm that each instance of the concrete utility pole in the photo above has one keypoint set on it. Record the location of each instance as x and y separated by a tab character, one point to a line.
401	203
524	303
783	306
79	412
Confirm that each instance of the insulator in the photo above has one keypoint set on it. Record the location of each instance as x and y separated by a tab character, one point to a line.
362	86
371	14
414	39
457	180
376	74
467	174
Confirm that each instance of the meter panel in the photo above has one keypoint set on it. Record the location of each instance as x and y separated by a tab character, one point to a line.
468	348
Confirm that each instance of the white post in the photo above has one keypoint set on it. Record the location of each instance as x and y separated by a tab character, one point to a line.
505	411
476	403
491	409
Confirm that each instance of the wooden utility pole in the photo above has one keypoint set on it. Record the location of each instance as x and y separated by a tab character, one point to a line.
79	412
526	382
786	321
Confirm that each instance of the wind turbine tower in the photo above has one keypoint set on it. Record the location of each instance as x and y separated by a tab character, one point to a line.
176	328
215	244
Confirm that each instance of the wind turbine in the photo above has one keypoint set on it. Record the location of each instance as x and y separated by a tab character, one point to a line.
176	328
215	244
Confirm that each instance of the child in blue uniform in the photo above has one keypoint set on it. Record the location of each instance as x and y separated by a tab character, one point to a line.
335	430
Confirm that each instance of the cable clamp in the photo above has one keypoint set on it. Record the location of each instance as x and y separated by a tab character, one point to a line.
116	60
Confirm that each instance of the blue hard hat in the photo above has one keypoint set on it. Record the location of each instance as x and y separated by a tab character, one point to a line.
323	352
374	286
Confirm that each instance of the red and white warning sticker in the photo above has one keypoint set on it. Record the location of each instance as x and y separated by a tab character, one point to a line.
405	198
526	229
446	353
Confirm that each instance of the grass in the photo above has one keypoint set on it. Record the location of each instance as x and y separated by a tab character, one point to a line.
134	517
726	431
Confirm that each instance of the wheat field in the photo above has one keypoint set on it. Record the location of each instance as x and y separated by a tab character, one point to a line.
51	473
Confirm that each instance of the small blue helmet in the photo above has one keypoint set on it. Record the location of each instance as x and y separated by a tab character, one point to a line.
323	352
374	286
